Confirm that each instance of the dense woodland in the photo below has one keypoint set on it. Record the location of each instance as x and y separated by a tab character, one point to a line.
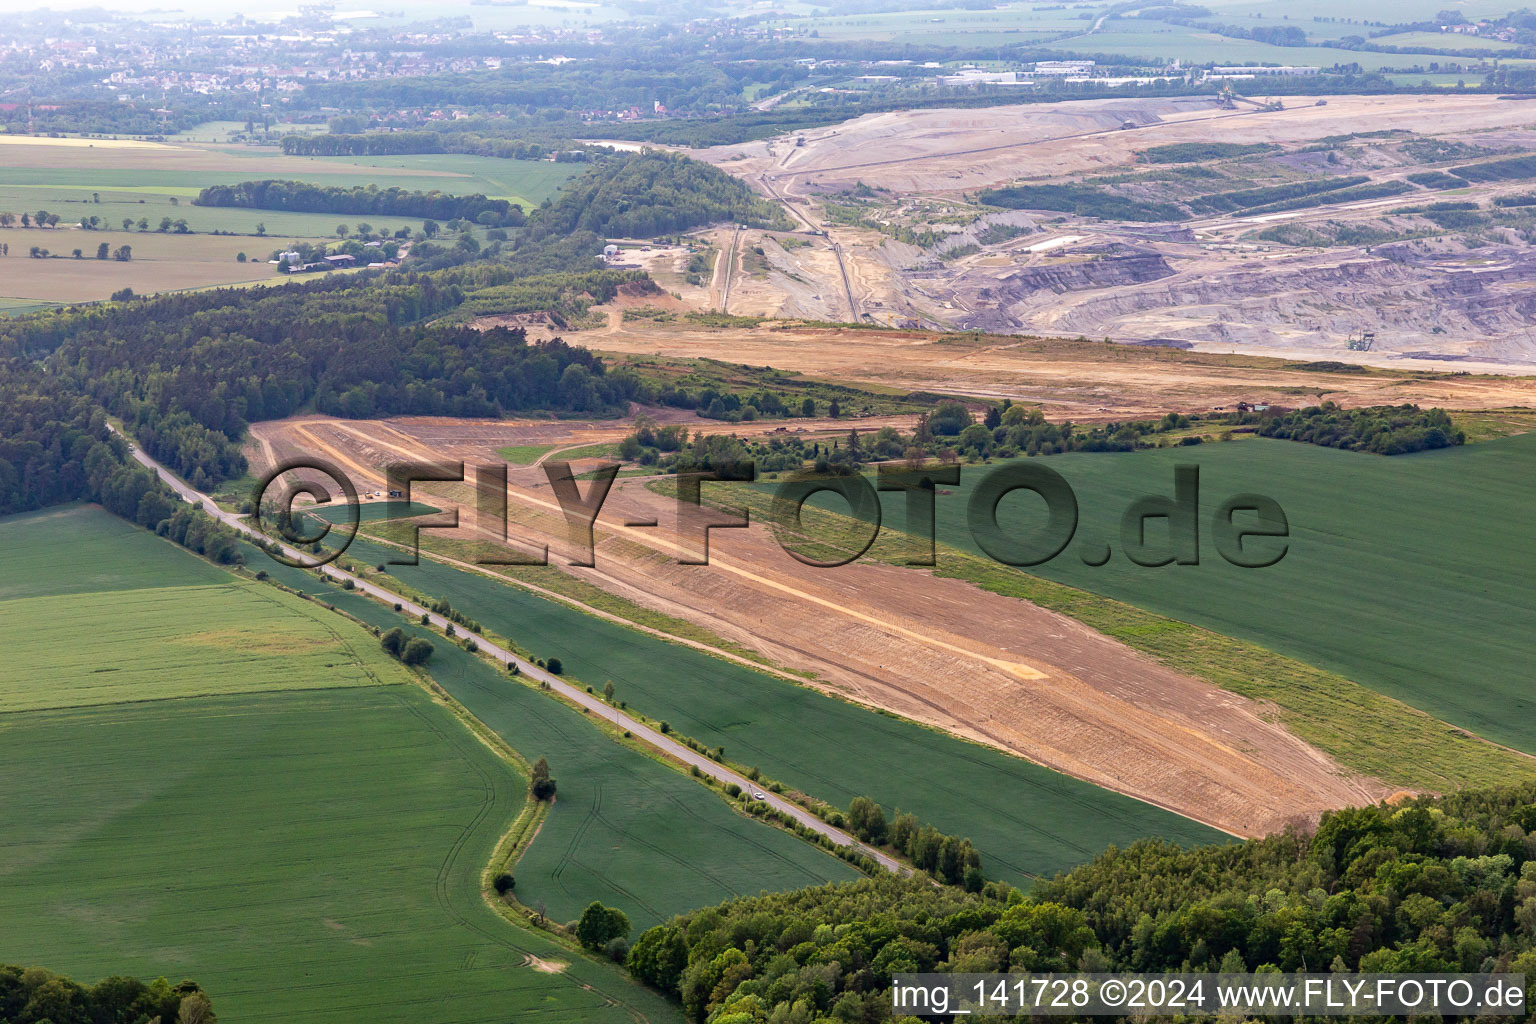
1425	885
34	995
55	447
188	372
302	197
648	194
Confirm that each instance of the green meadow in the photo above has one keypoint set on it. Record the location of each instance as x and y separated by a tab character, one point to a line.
306	854
625	829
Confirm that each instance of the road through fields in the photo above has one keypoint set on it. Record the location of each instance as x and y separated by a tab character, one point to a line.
592	703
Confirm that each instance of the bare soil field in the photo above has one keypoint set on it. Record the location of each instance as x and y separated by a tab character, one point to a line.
1078	380
992	669
161	262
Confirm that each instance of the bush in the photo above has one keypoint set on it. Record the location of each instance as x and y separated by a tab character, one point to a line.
600	925
540	784
555	667
503	884
393	641
416	652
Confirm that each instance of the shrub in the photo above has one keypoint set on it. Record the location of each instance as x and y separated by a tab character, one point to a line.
393	641
416	652
555	667
503	884
600	925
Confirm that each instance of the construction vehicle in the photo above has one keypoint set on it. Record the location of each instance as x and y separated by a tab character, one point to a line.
1362	342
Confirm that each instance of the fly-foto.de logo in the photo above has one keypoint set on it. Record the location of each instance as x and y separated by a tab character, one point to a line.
1247	530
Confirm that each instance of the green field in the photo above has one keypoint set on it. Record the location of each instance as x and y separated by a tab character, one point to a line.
20	307
1444	41
309	855
304	856
76	650
370	512
114	184
1025	819
1398	568
528	182
72	202
952	27
626	829
73	550
1152	40
528	454
1387	11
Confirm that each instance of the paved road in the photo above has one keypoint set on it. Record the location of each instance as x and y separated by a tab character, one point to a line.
595	704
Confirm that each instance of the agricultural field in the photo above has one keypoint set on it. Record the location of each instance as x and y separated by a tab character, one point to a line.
1076	30
1027	821
161	262
1360	11
1343	597
172	169
1154	41
348	827
20	307
625	829
147	183
1444	41
178	641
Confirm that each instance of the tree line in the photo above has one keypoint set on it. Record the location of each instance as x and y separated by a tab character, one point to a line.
363	144
1424	885
303	197
34	995
1379	429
